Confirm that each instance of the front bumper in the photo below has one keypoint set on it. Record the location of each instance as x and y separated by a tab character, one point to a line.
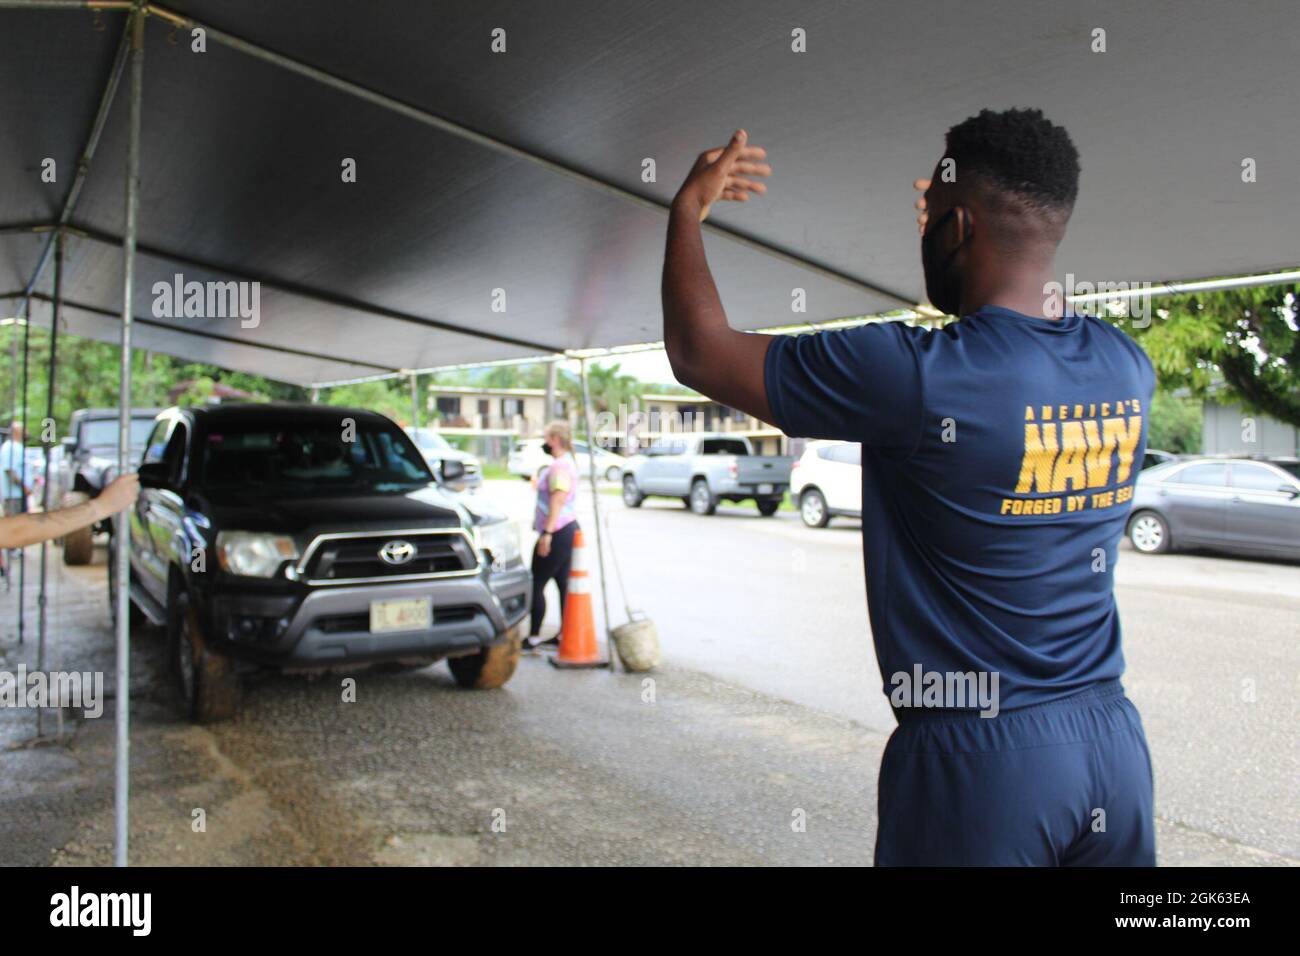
331	625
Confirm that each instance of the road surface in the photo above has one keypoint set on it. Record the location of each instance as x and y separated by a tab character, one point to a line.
757	742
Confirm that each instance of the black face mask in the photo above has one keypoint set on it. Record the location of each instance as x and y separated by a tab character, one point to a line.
546	447
942	282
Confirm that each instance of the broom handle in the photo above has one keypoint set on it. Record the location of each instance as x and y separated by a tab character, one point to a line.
618	571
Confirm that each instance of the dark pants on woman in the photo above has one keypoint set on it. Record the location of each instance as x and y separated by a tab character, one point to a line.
554	566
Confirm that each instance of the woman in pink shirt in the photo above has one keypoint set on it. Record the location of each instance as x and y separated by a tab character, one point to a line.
555	520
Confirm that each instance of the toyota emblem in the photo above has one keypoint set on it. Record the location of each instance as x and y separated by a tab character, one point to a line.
397	552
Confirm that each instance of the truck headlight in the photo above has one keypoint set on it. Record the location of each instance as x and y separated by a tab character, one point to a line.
501	540
254	554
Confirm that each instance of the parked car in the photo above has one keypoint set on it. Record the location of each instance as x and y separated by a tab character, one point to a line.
705	468
1155	456
312	537
437	449
827	481
88	462
527	460
1242	505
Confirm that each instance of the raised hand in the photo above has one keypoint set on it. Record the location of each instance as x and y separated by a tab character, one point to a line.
119	495
924	215
721	174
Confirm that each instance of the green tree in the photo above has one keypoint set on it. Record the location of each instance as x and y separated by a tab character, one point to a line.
1175	423
610	387
88	372
391	397
1244	344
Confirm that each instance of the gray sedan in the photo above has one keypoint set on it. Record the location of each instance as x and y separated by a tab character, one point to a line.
1242	505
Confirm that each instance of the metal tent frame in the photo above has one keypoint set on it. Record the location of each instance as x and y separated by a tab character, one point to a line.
129	62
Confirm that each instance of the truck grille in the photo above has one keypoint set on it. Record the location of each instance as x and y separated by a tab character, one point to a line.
346	558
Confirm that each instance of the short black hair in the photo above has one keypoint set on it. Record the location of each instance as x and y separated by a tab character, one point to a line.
1018	151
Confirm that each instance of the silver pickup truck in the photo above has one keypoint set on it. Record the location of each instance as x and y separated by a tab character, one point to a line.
705	468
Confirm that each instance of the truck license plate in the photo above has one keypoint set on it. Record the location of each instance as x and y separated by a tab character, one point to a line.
765	489
388	616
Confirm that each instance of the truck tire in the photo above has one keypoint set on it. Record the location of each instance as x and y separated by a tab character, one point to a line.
768	506
703	501
632	495
209	685
79	545
489	668
812	508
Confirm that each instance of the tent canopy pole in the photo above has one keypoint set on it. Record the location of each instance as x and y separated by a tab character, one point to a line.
121	540
50	382
595	509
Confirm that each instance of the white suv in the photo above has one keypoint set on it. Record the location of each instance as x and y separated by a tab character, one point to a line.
827	481
527	459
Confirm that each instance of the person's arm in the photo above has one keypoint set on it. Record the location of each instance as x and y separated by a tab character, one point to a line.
548	531
21	530
706	354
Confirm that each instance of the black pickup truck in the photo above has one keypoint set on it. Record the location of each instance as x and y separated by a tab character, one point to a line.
309	537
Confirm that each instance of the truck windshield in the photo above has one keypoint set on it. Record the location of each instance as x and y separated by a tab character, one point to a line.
310	458
103	432
427	440
723	446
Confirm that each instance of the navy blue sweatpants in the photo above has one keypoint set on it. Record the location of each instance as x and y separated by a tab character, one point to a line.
1066	783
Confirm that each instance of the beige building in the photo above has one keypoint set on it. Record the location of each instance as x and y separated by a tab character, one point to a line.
490	419
668	414
468	410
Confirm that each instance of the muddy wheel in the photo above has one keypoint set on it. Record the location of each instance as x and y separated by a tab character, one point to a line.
489	668
79	545
209	686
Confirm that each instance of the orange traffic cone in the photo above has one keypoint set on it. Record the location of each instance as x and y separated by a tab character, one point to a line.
578	645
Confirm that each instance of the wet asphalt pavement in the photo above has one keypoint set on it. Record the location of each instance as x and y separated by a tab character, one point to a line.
582	767
758	742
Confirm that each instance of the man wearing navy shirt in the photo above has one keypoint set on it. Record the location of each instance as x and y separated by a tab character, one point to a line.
999	455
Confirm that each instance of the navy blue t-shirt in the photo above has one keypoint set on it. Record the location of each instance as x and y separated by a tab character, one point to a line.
999	456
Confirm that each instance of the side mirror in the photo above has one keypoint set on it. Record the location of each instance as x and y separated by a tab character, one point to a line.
69	443
450	470
153	474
